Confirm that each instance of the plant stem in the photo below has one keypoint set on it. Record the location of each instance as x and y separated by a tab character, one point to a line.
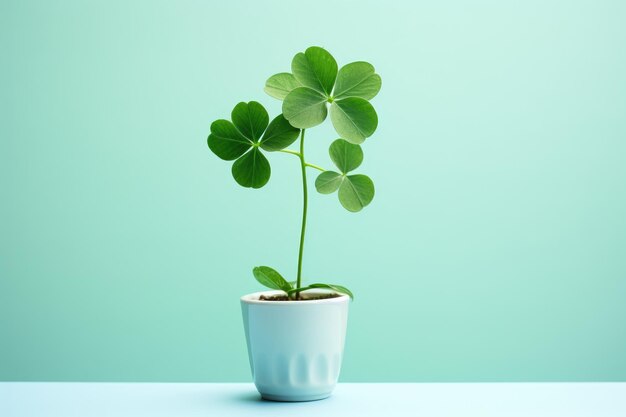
304	193
315	166
290	151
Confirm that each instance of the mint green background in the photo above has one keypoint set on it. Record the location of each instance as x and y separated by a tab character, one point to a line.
495	249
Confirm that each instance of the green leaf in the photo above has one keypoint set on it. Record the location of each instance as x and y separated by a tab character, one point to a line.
316	69
356	192
279	134
226	142
346	156
334	287
270	278
252	170
279	85
357	80
305	108
251	119
354	119
328	182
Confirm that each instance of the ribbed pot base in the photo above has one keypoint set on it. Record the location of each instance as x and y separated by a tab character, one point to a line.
295	398
295	347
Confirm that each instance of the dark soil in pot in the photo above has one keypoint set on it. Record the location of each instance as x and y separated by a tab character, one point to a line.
303	297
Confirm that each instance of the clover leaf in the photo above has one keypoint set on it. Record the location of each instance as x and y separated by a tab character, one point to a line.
279	85
315	84
243	138
355	191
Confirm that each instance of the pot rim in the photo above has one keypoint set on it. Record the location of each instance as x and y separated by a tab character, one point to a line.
253	298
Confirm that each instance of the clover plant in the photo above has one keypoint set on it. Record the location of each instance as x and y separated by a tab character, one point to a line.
314	87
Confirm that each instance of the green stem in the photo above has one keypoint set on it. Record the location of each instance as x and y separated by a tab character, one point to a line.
305	195
315	166
290	151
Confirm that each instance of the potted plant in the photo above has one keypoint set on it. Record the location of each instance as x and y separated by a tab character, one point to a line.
295	333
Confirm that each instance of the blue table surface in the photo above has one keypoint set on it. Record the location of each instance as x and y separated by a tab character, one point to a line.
51	399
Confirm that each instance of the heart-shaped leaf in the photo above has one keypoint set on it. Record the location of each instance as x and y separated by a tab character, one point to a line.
354	119
357	79
226	142
252	170
356	192
279	85
316	69
251	119
328	182
270	278
305	108
346	156
279	134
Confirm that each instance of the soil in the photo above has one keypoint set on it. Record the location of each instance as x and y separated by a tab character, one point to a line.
303	297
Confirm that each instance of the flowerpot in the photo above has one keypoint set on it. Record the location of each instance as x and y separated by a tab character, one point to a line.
295	347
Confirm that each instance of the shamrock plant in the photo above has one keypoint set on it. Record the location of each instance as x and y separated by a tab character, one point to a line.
314	87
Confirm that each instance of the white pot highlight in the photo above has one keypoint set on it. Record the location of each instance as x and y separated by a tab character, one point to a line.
295	347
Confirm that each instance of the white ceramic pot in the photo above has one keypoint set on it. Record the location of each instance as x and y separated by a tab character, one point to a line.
295	347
